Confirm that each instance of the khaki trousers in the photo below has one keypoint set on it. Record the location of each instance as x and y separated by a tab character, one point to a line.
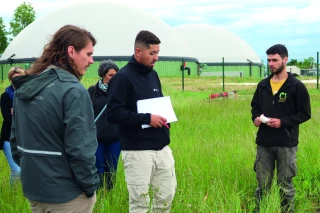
81	204
145	170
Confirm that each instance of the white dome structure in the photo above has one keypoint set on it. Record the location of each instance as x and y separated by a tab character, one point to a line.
210	44
115	27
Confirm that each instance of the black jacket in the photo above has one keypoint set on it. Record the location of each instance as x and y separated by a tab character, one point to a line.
6	106
291	105
132	83
107	132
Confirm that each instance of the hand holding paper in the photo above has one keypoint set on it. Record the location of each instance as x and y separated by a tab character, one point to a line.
157	121
264	119
157	106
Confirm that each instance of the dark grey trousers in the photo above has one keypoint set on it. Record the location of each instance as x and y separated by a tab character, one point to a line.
267	159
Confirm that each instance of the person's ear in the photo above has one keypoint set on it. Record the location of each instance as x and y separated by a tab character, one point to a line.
138	51
71	51
285	60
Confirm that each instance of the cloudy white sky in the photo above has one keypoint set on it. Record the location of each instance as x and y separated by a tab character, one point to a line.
260	23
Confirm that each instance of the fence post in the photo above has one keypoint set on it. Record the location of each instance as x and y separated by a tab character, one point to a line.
182	70
250	67
222	74
260	71
2	73
318	70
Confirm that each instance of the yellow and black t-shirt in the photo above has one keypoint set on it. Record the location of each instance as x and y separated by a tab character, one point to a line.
276	85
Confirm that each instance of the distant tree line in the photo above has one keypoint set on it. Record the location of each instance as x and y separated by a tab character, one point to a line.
23	15
307	63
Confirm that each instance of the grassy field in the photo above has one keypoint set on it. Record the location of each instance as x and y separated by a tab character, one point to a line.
213	143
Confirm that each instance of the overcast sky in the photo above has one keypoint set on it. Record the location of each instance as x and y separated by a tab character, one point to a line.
294	23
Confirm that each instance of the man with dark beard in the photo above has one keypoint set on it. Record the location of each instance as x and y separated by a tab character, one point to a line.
147	157
279	105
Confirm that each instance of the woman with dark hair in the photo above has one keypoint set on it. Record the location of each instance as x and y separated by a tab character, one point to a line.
53	132
6	111
108	151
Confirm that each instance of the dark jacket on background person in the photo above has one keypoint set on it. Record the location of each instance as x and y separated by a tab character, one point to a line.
54	130
99	100
291	105
132	83
6	106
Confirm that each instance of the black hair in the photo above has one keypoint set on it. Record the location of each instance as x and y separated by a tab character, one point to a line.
145	38
278	49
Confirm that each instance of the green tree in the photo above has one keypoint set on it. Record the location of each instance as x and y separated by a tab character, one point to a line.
3	36
23	15
311	61
293	62
306	63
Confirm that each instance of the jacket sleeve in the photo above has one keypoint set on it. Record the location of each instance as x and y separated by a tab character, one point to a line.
13	142
302	106
90	91
119	110
255	105
6	105
80	139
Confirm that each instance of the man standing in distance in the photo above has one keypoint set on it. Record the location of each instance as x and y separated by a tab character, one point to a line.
148	160
285	101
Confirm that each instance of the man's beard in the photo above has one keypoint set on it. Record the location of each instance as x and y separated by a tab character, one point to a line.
150	67
279	70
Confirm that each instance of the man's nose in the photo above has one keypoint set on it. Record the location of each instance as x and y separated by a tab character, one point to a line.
91	60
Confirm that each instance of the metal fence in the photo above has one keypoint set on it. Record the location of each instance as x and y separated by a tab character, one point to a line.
176	69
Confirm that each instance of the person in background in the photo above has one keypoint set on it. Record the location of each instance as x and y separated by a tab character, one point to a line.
53	131
108	151
6	111
147	157
284	103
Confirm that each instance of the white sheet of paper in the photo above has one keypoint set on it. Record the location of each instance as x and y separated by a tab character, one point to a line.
158	106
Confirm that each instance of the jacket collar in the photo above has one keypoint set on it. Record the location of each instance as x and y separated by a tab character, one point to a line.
290	81
140	68
62	74
28	86
98	91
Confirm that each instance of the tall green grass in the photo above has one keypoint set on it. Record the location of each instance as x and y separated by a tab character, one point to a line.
213	143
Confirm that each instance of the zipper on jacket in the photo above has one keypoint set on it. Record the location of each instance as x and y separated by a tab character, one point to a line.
273	107
147	82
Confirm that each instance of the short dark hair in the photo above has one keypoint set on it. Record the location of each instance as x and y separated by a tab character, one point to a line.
278	49
145	38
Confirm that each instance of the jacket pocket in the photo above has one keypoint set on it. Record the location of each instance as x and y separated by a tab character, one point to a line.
291	161
288	133
135	170
281	136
